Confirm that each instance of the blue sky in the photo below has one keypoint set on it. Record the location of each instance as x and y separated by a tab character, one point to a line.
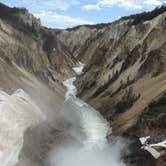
69	13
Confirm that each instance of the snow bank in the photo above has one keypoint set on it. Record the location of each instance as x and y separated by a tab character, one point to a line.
152	151
160	144
149	147
143	140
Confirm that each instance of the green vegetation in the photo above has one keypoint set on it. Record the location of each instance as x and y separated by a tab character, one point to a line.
145	16
136	19
11	16
49	41
125	104
155	114
97	26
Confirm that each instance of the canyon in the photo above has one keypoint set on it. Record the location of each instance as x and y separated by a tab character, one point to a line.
124	77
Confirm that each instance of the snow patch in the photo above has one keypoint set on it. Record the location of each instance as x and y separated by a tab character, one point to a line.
149	147
152	151
143	140
160	144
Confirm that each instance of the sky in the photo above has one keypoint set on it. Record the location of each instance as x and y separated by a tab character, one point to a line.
69	13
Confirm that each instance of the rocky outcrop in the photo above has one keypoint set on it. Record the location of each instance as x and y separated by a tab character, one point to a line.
37	52
124	77
76	39
33	59
28	18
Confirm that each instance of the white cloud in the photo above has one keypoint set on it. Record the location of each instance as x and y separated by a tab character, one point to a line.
92	7
119	3
39	5
60	4
153	2
127	4
56	4
51	19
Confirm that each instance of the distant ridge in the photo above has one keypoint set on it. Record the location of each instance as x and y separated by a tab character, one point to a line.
135	19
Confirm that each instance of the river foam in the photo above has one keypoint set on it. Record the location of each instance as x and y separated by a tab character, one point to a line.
89	131
93	127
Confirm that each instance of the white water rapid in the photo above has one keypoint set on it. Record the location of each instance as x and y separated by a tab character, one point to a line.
79	139
92	126
90	130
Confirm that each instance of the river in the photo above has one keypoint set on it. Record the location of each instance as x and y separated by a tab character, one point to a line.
86	138
89	131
